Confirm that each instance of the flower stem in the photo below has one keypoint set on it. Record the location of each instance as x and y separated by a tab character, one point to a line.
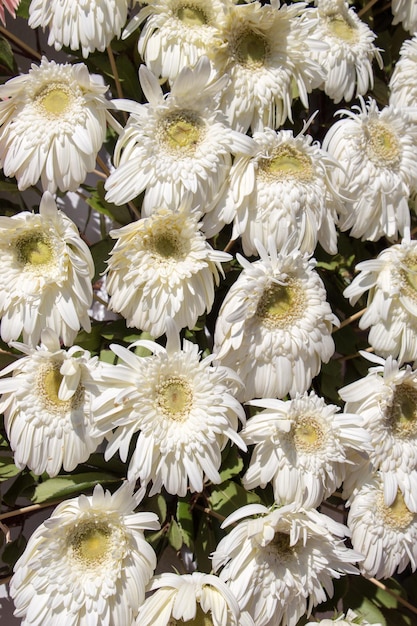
350	319
399	599
116	76
28	509
19	43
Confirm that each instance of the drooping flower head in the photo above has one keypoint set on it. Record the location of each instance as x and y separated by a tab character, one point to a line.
182	407
347	59
79	24
403	88
176	143
302	447
201	599
280	564
46	275
52	125
87	564
405	11
163	266
274	326
391	312
47	406
377	151
10	6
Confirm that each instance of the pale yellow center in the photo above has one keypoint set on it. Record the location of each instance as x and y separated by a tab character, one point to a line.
49	381
34	251
55	100
174	398
342	28
91	542
164	241
308	434
192	16
201	619
383	147
281	305
280	548
250	49
408	274
182	132
397	515
287	163
402	412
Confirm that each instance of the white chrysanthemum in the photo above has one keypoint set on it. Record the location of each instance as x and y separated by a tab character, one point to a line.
175	144
266	52
52	125
377	151
280	564
403	87
182	407
391	312
274	326
405	11
47	406
386	400
88	564
200	599
177	33
163	266
385	535
347	61
302	446
46	275
350	619
79	23
283	189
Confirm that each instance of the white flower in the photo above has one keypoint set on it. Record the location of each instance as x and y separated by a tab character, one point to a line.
302	446
347	60
177	33
46	275
405	11
10	6
88	564
386	400
191	598
350	619
182	408
403	88
79	23
391	310
52	125
47	406
163	266
175	144
283	189
266	52
274	326
385	535
377	151
280	564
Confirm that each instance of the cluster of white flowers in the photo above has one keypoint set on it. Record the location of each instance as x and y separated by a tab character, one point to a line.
204	165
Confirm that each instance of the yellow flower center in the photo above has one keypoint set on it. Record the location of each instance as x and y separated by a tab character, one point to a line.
175	398
55	99
280	548
182	132
408	274
49	382
35	252
383	147
402	412
191	15
343	28
287	163
201	619
281	305
250	49
397	515
90	543
308	434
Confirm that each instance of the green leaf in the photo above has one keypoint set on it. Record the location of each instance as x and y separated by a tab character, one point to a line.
100	252
119	214
205	544
23	9
6	54
13	550
232	463
22	486
7	468
229	496
175	535
61	486
185	522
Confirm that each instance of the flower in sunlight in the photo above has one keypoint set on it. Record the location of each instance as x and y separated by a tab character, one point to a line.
197	598
405	12
88	563
10	6
52	125
162	266
302	447
347	60
402	84
391	313
181	405
280	564
47	406
274	326
177	143
79	24
377	151
350	619
46	275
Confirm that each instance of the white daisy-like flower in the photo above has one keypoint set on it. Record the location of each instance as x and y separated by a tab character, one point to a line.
52	125
163	266
79	23
88	564
266	52
386	400
403	88
405	11
274	326
350	619
385	534
377	151
280	564
177	143
391	312
347	61
10	6
195	598
47	406
181	405
283	189
177	33
302	447
46	275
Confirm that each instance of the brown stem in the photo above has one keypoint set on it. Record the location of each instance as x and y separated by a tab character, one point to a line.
210	512
350	319
28	509
19	43
230	245
367	7
116	77
399	599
